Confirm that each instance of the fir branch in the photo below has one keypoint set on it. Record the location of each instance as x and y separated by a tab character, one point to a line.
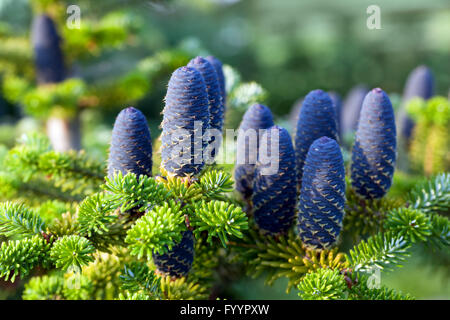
409	223
380	251
157	231
70	171
34	190
58	287
433	196
129	191
214	183
94	215
183	189
182	289
17	220
44	288
66	225
323	284
72	252
284	256
19	257
138	279
365	216
219	218
362	288
440	231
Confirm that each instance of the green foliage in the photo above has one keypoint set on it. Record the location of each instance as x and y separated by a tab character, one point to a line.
362	288
17	220
19	257
434	111
440	231
44	288
60	99
409	224
129	191
219	219
138	279
365	216
283	256
94	215
430	146
324	284
69	174
214	183
382	251
157	231
433	196
72	252
57	287
182	289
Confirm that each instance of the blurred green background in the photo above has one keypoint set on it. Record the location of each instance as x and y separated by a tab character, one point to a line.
289	47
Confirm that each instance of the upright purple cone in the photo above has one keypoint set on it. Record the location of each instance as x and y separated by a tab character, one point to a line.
131	144
374	150
255	118
185	121
317	119
275	191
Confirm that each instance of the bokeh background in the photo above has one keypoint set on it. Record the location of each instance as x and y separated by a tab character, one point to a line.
126	50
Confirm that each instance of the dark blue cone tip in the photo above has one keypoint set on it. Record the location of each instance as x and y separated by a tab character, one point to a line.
131	144
217	64
178	261
275	195
256	117
317	118
48	56
209	74
374	150
186	103
351	109
322	197
420	84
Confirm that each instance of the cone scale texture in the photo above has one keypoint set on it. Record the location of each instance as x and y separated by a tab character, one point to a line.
374	150
186	118
317	119
131	144
219	70
256	117
211	79
178	261
48	56
322	197
275	195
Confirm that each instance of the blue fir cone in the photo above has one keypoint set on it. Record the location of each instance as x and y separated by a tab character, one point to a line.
217	64
275	194
317	118
351	109
420	84
131	144
256	117
211	79
48	56
182	143
178	261
374	150
322	197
